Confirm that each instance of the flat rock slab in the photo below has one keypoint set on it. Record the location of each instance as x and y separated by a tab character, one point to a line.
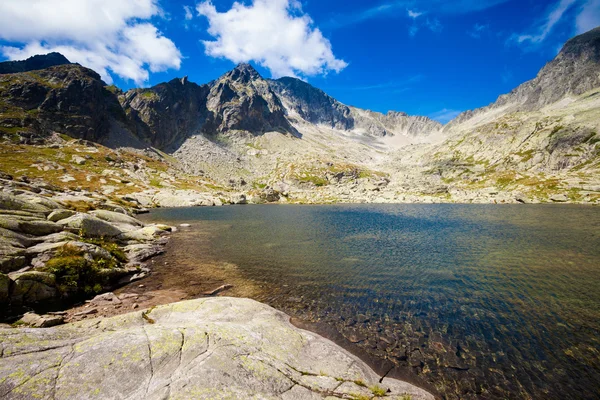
200	349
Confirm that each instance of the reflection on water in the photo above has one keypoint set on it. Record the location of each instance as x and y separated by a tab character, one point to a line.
480	301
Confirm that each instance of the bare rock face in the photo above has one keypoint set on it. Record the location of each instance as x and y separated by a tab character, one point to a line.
66	98
201	349
316	107
167	113
312	104
241	100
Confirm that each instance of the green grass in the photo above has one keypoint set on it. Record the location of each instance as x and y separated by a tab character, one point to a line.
76	273
378	390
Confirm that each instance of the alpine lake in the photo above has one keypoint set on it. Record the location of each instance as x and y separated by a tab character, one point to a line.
468	301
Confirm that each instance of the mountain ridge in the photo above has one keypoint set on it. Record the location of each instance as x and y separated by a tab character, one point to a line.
288	136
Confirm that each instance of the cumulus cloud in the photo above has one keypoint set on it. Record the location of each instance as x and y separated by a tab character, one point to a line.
277	34
109	36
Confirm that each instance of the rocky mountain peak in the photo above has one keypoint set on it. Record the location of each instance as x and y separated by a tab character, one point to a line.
586	45
243	73
36	62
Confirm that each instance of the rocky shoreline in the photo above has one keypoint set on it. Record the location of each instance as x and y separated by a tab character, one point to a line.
204	349
53	257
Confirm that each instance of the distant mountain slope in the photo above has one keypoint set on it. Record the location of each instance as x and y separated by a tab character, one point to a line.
316	107
575	70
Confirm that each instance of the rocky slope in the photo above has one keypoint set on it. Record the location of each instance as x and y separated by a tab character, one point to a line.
201	349
574	71
65	98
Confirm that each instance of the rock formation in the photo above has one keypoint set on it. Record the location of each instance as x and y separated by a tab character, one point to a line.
202	349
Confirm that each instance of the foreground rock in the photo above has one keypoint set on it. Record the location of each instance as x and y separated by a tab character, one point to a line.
49	253
201	349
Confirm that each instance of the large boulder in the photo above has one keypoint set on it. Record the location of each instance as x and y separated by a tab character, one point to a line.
111	216
201	349
10	202
28	225
32	287
41	321
90	226
57	215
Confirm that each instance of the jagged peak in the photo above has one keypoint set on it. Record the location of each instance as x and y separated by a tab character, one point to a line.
243	73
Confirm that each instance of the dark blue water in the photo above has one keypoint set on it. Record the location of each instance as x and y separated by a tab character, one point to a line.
480	301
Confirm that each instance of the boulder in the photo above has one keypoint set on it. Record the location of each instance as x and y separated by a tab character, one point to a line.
32	287
202	349
239	199
59	237
42	321
141	252
78	160
35	199
105	299
559	198
90	226
115	217
9	202
15	239
29	226
58	215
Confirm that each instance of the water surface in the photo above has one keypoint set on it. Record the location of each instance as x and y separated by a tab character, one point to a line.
480	301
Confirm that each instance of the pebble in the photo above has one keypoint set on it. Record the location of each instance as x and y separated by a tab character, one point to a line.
135	306
185	225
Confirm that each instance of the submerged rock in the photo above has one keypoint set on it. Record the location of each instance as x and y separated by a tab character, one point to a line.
202	349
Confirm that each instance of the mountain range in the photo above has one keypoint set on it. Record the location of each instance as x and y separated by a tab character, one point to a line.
285	140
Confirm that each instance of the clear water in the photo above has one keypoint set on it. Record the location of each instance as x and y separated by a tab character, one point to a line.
479	301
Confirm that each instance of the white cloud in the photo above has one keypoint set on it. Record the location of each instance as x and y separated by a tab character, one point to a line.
274	33
588	17
444	115
109	36
188	13
412	31
547	23
414	14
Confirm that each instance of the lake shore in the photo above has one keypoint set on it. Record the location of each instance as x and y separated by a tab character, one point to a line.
342	375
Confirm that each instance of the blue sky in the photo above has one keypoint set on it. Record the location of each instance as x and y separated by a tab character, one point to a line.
427	57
